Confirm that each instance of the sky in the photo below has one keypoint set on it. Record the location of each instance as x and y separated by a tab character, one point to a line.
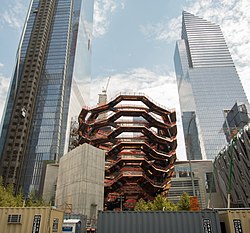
134	42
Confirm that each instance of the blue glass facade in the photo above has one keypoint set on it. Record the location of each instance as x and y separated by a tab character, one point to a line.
67	57
20	57
208	82
235	119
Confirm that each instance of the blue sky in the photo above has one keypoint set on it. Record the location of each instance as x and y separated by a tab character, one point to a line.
134	43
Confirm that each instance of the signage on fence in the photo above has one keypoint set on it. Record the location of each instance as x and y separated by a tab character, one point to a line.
36	224
237	226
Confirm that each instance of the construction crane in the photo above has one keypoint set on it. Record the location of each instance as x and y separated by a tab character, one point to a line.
105	89
103	96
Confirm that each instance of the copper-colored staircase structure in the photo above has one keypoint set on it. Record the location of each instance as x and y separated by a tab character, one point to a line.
140	140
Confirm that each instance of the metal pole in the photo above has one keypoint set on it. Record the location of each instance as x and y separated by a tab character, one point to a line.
189	154
210	189
192	177
229	183
121	197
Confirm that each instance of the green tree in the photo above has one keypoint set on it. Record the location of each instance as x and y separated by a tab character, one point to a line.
184	202
34	201
163	203
141	205
7	199
20	199
169	206
159	203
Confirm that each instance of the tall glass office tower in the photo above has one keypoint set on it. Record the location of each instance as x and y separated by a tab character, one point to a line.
53	57
208	85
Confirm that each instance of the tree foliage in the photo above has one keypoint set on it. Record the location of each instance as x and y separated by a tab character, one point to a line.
184	202
8	199
164	204
34	201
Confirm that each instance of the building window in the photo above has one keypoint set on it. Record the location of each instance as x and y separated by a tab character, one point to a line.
210	184
185	174
14	218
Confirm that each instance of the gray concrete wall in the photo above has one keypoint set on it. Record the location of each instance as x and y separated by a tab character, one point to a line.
80	186
202	190
50	181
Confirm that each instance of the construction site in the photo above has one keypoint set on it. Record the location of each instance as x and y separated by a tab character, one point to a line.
139	137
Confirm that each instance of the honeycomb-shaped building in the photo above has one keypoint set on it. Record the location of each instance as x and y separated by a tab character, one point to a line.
139	137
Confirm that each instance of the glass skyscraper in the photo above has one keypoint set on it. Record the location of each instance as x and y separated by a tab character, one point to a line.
208	85
52	60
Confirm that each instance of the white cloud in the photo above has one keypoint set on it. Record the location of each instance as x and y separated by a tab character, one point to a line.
136	80
14	15
4	85
163	30
102	13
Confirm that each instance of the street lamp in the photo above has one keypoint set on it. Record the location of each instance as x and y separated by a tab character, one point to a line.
121	199
188	150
